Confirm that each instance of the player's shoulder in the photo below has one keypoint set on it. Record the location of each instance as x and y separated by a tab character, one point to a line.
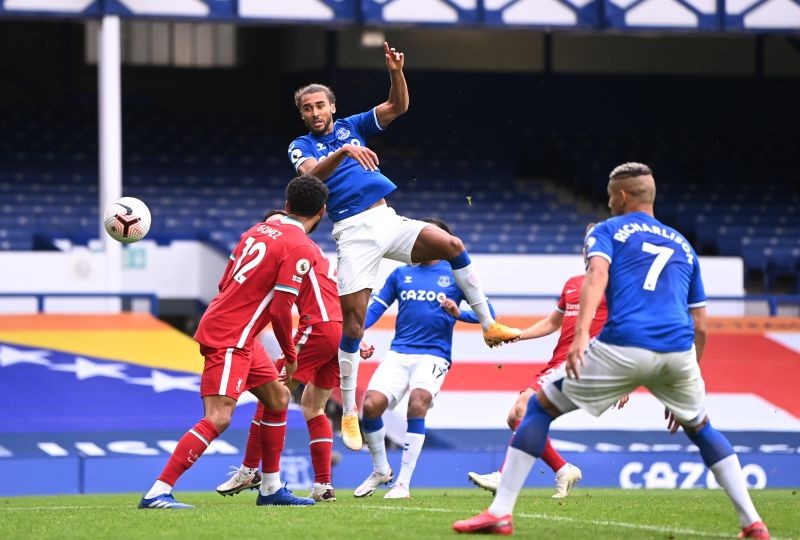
574	282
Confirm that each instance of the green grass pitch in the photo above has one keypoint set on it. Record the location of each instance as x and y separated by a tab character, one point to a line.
587	513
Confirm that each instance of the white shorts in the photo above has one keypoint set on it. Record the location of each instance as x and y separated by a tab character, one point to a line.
400	372
611	371
364	239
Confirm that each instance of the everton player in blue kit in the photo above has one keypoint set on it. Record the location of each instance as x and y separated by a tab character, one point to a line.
417	361
365	228
654	337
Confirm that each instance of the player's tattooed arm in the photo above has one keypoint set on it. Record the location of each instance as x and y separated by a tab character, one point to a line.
397	102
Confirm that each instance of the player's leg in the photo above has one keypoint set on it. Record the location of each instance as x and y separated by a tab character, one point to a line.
681	389
320	436
605	377
247	476
219	393
375	404
434	243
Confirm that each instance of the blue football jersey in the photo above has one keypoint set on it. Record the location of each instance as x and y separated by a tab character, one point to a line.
654	280
352	189
422	327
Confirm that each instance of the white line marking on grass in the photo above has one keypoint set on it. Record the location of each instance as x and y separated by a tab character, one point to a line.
602	523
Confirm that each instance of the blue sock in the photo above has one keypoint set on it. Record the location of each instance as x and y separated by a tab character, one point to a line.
713	445
349	345
461	261
416	425
371	425
531	434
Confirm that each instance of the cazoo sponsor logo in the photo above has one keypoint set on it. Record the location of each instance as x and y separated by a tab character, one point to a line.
687	475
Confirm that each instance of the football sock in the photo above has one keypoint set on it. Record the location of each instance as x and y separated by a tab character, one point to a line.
412	446
375	434
158	488
515	471
348	372
186	453
718	455
469	282
320	447
516	427
531	436
551	456
252	452
270	483
273	435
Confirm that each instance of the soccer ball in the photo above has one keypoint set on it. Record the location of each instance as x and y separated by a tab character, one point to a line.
127	220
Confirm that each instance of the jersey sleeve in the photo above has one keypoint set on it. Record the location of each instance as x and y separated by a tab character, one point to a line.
294	267
381	301
561	305
365	123
697	293
599	243
300	151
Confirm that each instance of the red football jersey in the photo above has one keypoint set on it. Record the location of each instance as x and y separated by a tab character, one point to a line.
568	304
269	257
318	300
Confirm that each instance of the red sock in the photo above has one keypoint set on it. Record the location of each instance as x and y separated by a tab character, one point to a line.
551	456
189	449
252	452
273	436
321	447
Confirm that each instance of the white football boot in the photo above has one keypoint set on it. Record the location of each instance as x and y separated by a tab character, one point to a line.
489	481
372	483
240	479
398	491
566	477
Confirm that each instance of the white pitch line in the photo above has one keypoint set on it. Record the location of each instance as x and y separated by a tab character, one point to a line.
602	523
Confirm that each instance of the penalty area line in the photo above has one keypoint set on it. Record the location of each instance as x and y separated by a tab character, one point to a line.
567	519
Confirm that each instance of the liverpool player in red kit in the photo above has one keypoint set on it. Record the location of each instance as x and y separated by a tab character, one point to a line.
259	286
317	341
564	317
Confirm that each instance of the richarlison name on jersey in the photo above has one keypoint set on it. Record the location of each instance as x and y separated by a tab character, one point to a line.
624	232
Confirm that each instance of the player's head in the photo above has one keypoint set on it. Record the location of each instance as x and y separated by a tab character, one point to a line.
586	246
305	199
631	188
439	223
274	215
317	105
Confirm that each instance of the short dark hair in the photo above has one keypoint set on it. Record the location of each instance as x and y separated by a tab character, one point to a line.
439	223
630	170
306	195
273	212
310	89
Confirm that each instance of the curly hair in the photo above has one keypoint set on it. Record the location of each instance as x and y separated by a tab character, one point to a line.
306	195
310	89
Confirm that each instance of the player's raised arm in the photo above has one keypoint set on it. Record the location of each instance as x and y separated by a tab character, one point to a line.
543	327
397	102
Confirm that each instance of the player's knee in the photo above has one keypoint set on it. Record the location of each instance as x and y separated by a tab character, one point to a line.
418	405
311	411
220	418
372	409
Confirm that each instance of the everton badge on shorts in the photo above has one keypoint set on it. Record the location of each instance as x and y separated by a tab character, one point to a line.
342	133
444	281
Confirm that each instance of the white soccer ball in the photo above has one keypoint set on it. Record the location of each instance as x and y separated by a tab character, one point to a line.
127	220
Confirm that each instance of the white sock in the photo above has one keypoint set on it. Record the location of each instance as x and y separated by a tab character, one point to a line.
515	472
469	282
159	488
348	378
377	448
729	475
270	483
411	449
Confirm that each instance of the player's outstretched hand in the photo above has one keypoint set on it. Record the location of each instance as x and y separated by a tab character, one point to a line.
365	157
395	60
672	423
575	355
366	350
450	307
